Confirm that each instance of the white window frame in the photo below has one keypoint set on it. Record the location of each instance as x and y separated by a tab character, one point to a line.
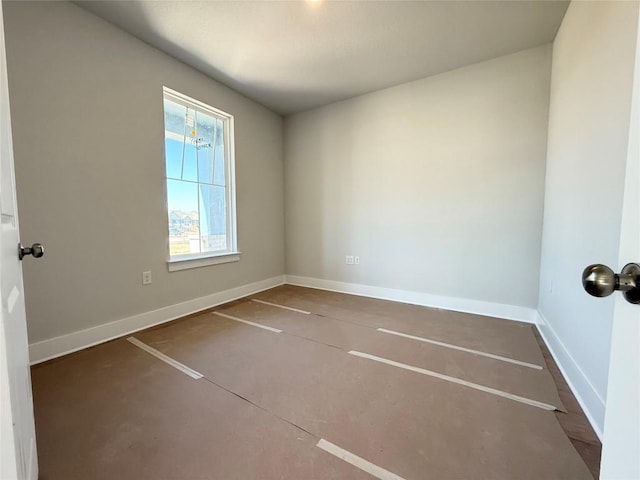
231	254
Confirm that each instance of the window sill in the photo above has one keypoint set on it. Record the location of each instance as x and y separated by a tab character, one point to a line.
187	263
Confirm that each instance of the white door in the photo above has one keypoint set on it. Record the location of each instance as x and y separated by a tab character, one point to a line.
621	445
18	459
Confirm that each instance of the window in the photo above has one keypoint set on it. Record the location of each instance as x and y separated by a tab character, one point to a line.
200	183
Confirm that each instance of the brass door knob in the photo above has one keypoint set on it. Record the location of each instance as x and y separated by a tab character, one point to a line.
600	281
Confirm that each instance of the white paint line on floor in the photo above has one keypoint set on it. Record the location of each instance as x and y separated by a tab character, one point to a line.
357	461
174	363
462	349
280	306
493	391
230	317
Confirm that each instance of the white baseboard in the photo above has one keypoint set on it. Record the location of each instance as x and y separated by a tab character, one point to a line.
477	307
71	342
588	397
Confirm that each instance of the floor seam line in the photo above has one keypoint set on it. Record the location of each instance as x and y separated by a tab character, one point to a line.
344	455
166	358
176	364
260	407
457	381
441	376
461	348
434	342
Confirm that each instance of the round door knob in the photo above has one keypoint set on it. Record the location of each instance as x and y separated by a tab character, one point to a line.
37	250
600	281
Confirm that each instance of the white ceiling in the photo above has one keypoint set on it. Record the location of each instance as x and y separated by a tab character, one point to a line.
295	55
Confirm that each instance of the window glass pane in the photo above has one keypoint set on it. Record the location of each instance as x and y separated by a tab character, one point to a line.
180	153
205	146
174	115
184	225
218	154
189	165
173	156
213	218
181	159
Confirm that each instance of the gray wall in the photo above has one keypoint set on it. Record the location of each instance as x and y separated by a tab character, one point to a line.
86	101
436	184
593	57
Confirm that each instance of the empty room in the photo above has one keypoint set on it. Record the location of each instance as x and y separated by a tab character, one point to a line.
320	239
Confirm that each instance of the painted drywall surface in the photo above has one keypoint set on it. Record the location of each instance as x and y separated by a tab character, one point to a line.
588	134
437	185
89	149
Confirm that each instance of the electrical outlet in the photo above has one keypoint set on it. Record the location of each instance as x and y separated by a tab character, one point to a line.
146	278
349	260
356	260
